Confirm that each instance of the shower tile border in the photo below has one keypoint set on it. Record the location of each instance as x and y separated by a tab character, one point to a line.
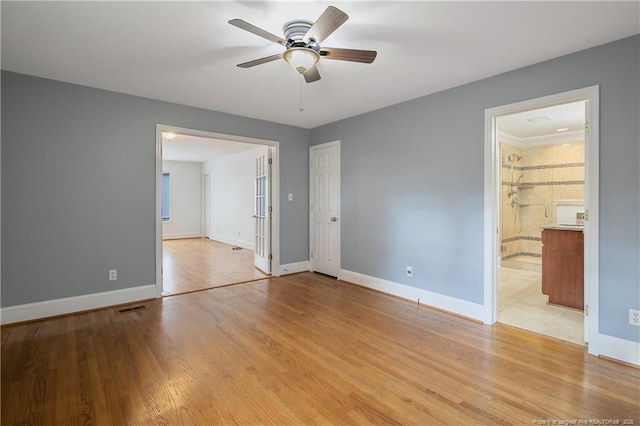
549	183
522	253
543	166
521	238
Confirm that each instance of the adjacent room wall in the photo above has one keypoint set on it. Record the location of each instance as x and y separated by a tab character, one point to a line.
185	189
412	180
78	186
232	197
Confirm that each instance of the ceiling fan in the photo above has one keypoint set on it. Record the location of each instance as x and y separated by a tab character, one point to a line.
302	42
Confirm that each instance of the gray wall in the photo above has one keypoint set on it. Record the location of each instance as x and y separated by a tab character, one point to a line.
78	176
78	185
412	179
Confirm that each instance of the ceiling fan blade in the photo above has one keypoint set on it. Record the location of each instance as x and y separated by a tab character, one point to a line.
326	24
257	31
353	55
311	75
260	61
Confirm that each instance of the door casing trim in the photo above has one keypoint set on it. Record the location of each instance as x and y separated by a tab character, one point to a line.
275	194
491	200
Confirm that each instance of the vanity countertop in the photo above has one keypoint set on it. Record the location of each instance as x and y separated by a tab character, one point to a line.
564	227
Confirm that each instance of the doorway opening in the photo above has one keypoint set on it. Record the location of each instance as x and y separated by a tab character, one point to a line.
223	220
541	181
542	184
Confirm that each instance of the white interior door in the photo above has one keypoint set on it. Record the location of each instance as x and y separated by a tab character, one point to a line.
262	213
325	208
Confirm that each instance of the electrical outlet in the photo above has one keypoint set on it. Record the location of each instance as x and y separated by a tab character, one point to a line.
409	271
113	274
634	317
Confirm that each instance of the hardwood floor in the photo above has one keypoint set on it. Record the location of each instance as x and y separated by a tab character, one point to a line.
199	263
301	349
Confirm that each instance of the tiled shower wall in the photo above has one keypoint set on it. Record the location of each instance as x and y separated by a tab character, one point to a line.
549	173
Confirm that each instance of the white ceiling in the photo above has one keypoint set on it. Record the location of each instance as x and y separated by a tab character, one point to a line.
544	122
201	149
186	52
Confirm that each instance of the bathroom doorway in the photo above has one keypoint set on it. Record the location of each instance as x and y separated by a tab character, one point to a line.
541	173
542	181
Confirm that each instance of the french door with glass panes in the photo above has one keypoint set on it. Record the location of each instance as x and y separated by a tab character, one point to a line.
262	213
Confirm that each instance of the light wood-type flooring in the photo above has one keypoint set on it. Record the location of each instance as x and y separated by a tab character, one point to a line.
199	263
301	349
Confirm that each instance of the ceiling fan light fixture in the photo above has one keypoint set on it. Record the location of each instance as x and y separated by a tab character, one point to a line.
301	59
302	41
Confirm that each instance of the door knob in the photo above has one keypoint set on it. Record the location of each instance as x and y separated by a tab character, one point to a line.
334	219
255	216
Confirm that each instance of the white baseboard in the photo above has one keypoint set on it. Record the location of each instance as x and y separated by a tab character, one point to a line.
617	348
68	305
440	301
293	268
249	245
179	235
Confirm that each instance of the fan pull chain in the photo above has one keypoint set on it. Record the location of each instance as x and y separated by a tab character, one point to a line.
301	106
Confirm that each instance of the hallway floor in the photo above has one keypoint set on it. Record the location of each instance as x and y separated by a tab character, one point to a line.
194	264
522	304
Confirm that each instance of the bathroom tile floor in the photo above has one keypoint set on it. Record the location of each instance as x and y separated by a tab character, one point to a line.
522	304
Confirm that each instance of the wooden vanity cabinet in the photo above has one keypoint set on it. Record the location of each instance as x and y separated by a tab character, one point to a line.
563	267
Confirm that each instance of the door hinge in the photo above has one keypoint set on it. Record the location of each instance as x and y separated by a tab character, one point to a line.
270	161
161	270
270	256
586	310
270	209
587	127
311	254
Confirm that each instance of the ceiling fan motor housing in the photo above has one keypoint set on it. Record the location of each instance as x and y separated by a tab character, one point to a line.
295	30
